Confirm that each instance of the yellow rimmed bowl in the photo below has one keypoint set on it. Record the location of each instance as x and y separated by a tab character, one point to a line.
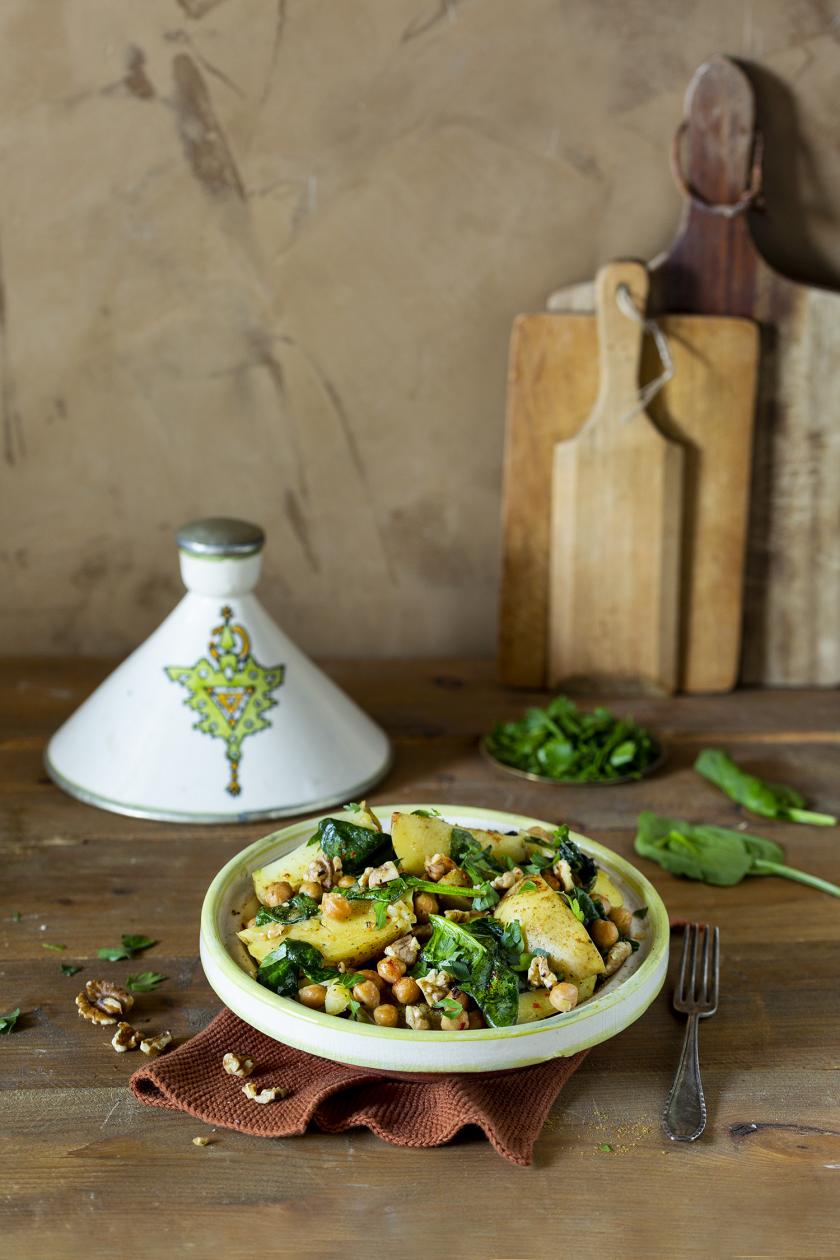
621	1001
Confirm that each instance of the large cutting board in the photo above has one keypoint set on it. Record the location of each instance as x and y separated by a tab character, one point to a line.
707	406
792	589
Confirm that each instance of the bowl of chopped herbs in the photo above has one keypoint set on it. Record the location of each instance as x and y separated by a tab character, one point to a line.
562	743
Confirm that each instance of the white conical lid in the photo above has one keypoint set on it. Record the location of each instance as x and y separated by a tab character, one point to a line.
218	717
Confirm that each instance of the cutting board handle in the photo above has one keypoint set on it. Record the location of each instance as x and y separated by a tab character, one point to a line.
619	340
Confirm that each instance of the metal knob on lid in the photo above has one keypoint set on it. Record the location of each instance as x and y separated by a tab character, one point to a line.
220	536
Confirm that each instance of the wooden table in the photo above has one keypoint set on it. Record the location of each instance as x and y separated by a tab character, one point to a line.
87	1171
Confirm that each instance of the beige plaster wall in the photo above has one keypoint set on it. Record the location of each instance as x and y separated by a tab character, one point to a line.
262	259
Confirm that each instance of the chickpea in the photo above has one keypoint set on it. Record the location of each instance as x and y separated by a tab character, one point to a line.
458	996
606	905
407	991
456	878
336	907
313	995
563	997
277	894
367	993
424	905
623	920
374	977
347	881
476	1019
312	889
386	1015
456	1023
604	933
391	969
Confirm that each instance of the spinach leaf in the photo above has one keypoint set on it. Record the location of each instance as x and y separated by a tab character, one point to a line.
479	965
427	813
769	800
585	909
562	742
583	867
353	844
295	910
282	969
8	1021
715	855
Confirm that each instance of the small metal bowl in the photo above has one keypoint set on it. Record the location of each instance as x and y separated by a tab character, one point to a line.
544	778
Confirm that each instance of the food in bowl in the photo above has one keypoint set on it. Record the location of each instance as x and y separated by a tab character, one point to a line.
436	925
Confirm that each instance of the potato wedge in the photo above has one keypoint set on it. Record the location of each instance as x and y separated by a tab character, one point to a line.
292	867
548	923
416	837
533	1005
604	887
352	941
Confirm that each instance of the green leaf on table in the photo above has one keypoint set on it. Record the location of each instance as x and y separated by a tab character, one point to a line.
8	1021
144	981
16	916
605	1146
131	945
69	969
715	855
52	945
768	800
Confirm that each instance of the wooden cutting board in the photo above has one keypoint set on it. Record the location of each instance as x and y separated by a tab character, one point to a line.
792	589
616	509
707	406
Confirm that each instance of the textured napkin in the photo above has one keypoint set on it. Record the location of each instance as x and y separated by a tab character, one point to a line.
510	1107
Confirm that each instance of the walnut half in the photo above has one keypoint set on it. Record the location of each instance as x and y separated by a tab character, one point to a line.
237	1064
102	1002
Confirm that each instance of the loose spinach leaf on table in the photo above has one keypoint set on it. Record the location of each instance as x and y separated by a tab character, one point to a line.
295	910
8	1021
715	855
562	742
769	800
354	845
478	963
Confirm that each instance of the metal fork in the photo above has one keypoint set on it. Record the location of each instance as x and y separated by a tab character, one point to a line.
696	996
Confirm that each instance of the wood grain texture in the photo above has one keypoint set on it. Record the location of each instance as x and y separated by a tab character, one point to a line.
708	406
85	1167
792	584
616	519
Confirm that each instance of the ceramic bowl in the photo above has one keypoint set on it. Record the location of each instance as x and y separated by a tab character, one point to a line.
621	1000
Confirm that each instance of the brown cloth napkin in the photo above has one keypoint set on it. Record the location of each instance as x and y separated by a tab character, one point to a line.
405	1110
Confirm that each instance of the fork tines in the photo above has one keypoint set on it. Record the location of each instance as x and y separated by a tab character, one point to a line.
697	990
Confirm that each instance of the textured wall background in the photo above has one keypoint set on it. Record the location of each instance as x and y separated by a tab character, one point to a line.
261	258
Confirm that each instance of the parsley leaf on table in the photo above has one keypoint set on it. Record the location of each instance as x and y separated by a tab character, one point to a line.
144	981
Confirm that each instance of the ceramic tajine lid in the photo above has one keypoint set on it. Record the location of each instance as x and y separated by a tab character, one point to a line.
218	716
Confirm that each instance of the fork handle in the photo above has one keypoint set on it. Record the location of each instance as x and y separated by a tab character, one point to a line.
685	1110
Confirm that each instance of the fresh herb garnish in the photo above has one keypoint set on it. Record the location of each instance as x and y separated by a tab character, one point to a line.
562	742
586	909
16	916
715	855
353	807
144	981
131	945
527	886
427	813
605	1146
295	910
769	800
450	1008
52	945
8	1021
69	969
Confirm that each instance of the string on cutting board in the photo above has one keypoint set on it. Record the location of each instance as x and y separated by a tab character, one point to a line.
648	392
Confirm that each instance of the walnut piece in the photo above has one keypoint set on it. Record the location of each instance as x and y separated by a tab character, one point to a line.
125	1038
382	875
201	1141
435	985
563	872
102	1002
505	881
437	866
323	870
463	916
540	975
417	1017
267	1095
154	1046
237	1064
405	949
617	957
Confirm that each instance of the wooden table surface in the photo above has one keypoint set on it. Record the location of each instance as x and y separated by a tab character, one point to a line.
89	1171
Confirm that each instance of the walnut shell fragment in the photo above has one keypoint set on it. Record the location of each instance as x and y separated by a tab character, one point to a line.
103	1002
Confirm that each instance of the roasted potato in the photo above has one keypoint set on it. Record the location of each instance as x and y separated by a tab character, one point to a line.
416	837
548	923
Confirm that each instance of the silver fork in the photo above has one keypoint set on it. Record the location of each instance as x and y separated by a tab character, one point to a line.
696	996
